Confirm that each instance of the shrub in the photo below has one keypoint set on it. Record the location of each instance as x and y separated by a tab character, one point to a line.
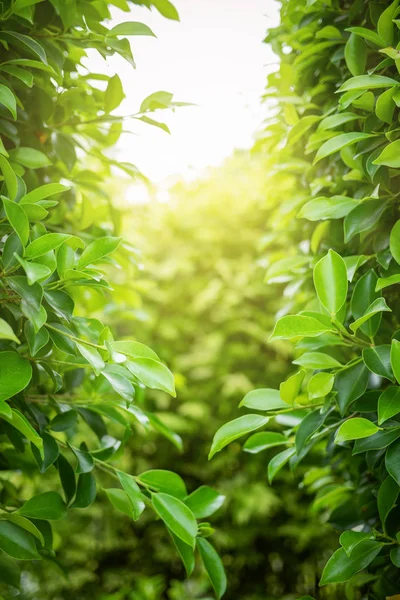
70	395
335	128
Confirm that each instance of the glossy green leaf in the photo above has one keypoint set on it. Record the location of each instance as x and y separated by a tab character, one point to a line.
177	517
235	429
213	566
130	28
387	497
330	280
18	220
298	325
392	461
15	374
263	399
167	482
204	501
8	100
379	305
6	333
377	359
317	360
340	141
395	242
153	374
48	505
17	542
133	492
394	359
264	440
341	567
320	385
354	429
350	384
278	462
98	250
389	155
388	403
290	389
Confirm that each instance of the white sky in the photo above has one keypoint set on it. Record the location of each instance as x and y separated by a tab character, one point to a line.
215	58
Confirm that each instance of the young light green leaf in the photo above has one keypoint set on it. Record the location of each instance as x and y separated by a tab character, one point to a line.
395	241
264	440
317	360
385	23
389	155
133	492
278	462
130	28
34	271
290	389
18	219
355	54
263	399
355	429
235	429
335	207
379	305
15	374
8	100
293	326
6	333
394	359
30	158
153	374
339	142
320	385
388	403
163	481
367	82
330	280
97	250
9	177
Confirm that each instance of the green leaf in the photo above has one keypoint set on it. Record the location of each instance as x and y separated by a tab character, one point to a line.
7	98
113	96
387	497
85	462
385	106
339	142
392	461
234	429
30	158
379	305
97	250
45	243
335	207
388	403
133	492
15	374
320	385
119	499
176	516
389	156
308	426
330	280
367	34
278	462
133	349
385	23
350	539
9	177
387	281
204	501
18	219
293	326
355	429
163	481
394	359
153	374
264	440
85	491
380	440
6	333
44	191
290	389
341	568
185	552
263	399
17	542
350	384
363	296
34	271
395	556
130	28
317	360
48	505
355	54
49	455
213	566
93	357
377	359
395	242
166	9
24	523
367	82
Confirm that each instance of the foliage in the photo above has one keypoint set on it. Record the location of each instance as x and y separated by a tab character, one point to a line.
335	129
71	396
